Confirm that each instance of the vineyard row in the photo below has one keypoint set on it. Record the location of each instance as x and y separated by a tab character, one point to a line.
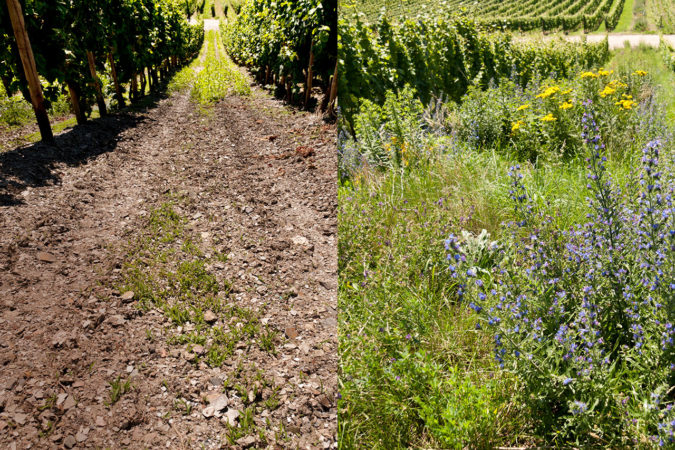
441	58
51	45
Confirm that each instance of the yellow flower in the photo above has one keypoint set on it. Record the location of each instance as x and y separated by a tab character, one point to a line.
616	84
604	73
548	118
567	91
589	75
626	96
516	125
549	91
566	105
523	107
608	90
641	73
625	104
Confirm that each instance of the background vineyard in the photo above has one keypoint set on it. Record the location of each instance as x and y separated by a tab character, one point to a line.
528	15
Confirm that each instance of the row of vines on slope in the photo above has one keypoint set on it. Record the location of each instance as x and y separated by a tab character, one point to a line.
442	58
290	44
522	15
74	40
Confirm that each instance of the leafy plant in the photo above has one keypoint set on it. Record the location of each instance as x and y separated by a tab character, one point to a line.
118	388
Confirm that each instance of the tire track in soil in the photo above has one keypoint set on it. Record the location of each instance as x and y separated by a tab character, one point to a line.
65	218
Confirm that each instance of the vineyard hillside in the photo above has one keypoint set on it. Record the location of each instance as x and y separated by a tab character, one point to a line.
567	16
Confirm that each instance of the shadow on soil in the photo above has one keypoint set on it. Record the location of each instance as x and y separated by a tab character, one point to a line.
34	165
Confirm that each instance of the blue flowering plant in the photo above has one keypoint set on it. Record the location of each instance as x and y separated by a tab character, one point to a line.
584	317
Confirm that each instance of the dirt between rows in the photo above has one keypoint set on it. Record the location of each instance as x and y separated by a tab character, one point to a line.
258	183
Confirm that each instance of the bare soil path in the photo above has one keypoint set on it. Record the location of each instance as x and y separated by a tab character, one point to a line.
256	181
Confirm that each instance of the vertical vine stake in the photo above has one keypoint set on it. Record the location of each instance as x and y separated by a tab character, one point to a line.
30	70
99	95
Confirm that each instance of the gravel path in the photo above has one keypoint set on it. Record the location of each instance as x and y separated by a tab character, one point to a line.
615	40
635	40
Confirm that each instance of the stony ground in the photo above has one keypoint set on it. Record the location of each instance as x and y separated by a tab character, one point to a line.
105	341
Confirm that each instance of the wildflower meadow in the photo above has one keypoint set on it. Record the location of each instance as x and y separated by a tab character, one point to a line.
507	261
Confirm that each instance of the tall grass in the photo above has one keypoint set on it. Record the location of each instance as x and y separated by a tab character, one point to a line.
414	371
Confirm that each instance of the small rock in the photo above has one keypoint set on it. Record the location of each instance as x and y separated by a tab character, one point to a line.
210	317
300	240
60	399
291	332
198	349
127	296
246	442
231	417
209	411
20	419
3	425
81	437
116	320
69	403
61	339
324	401
216	381
46	257
70	441
100	422
87	324
304	151
219	403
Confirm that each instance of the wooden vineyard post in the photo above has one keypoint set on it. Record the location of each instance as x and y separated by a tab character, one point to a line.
143	82
29	68
134	88
118	89
308	83
333	91
99	95
75	101
152	71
